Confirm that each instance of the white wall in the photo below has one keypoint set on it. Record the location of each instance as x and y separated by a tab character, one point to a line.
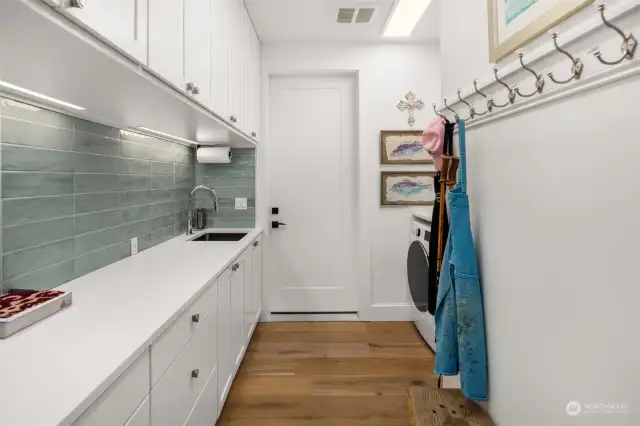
555	198
386	72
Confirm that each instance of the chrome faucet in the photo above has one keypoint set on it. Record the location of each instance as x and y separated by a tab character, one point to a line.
190	212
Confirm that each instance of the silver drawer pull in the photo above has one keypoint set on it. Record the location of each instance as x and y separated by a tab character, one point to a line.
78	3
195	373
235	267
195	318
254	134
256	244
234	119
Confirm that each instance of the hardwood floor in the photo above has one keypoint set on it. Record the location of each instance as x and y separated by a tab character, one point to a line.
329	374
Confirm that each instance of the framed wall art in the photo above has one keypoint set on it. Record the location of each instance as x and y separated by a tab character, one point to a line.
407	189
402	147
514	23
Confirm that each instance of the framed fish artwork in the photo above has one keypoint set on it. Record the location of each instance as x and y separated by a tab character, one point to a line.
403	147
407	189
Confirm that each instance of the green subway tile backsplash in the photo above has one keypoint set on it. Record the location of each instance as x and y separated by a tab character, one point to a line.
74	192
230	181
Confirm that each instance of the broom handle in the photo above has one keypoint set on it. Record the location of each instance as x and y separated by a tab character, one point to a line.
443	192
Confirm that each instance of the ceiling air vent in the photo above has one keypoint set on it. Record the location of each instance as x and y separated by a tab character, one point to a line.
364	15
345	15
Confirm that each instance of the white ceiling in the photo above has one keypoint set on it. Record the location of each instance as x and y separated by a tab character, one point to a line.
315	21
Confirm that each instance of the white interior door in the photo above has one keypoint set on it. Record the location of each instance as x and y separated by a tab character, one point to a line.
310	262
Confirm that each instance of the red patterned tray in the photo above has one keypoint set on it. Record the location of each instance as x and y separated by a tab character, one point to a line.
13	303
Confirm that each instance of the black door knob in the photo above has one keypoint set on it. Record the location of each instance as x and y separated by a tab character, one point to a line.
275	224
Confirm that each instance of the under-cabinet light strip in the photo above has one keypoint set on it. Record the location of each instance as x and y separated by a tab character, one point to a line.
31	93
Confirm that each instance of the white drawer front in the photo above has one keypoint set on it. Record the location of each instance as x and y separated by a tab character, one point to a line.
205	412
119	402
142	416
177	391
171	342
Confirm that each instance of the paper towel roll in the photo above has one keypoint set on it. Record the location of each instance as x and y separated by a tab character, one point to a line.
215	155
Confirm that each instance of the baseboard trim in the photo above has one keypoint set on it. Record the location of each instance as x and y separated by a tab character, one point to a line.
390	312
298	317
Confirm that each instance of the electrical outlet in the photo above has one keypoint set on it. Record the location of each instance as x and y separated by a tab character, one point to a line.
134	246
241	203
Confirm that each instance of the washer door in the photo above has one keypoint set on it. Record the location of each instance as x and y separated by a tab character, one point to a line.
418	275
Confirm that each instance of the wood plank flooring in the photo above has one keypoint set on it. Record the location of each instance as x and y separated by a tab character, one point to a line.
329	374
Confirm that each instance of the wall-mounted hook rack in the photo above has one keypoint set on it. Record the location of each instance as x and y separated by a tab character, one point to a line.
629	43
455	114
437	113
539	79
576	68
472	112
487	98
512	94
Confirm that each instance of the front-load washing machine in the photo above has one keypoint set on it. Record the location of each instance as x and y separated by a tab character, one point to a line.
423	293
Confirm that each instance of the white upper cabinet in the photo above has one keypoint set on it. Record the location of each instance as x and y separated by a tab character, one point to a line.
235	62
166	40
255	85
197	49
245	47
220	39
123	23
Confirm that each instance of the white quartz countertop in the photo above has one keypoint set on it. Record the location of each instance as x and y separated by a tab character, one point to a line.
54	370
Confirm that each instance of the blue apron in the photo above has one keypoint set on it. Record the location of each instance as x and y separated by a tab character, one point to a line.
460	336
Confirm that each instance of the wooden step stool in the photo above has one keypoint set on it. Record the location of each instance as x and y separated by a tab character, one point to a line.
444	407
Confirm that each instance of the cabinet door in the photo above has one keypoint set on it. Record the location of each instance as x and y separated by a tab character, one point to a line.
166	40
249	312
237	313
246	118
122	23
220	39
235	62
257	278
205	412
197	48
255	86
224	336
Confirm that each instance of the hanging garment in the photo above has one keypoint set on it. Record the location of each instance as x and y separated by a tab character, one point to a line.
433	140
439	138
460	333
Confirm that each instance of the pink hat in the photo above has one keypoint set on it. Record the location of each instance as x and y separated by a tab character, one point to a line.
433	140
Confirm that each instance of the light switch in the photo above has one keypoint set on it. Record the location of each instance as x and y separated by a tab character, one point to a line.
241	203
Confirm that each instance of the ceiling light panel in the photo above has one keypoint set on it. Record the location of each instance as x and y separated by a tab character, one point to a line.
405	16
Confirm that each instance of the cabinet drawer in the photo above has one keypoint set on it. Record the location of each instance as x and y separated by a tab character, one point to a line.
142	416
205	412
177	391
119	402
170	343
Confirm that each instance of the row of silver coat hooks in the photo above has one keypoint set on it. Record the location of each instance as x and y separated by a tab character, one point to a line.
628	48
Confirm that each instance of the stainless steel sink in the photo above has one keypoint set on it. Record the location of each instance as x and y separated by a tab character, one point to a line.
220	236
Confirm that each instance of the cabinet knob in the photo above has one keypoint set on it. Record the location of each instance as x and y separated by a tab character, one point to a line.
254	134
191	87
233	119
195	373
195	318
235	267
256	244
195	90
78	3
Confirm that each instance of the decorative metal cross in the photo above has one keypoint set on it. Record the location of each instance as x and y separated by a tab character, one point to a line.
410	104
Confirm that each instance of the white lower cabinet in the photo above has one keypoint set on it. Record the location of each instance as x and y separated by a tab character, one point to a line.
256	259
224	336
205	411
142	416
185	377
175	394
238	338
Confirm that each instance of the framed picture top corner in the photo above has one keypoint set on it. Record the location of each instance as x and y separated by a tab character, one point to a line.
515	23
